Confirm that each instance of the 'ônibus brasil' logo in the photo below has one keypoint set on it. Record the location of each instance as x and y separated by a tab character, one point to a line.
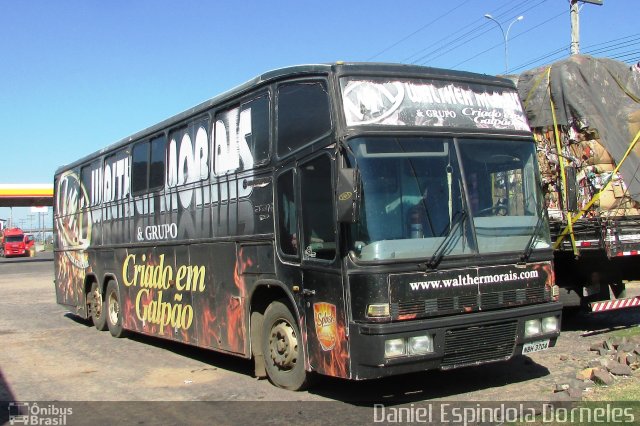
73	219
324	316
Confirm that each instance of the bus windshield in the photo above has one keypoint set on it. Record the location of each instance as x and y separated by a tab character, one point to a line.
468	196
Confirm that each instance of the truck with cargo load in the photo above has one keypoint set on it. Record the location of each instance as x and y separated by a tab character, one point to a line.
585	116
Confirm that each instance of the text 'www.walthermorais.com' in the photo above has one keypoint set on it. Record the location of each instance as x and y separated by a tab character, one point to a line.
465	280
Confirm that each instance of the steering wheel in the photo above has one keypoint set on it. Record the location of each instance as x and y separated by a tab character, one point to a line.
497	210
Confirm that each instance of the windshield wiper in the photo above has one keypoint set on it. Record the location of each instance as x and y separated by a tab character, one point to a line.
524	257
439	253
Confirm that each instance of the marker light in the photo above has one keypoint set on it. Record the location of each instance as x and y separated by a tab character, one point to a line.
378	310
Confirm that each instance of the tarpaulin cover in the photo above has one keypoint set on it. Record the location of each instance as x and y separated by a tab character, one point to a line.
596	93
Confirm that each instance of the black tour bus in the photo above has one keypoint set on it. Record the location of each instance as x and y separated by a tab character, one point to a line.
354	220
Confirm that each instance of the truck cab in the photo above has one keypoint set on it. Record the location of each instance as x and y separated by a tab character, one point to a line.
16	243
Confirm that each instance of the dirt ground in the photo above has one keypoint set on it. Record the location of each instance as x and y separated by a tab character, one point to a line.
49	355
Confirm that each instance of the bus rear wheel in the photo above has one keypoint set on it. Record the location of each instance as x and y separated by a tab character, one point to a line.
282	348
97	307
113	310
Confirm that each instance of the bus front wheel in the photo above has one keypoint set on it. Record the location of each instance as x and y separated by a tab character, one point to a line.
282	348
97	307
113	310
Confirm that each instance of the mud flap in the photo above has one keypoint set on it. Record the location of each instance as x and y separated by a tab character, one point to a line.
256	345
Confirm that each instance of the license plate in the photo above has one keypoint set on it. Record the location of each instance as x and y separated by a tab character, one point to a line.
536	346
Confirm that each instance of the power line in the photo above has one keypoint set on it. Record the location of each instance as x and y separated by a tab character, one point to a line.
468	34
632	55
614	40
386	49
615	45
487	27
518	35
445	43
465	35
589	50
613	48
612	52
564	49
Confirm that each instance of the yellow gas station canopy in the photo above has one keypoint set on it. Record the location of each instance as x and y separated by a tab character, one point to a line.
26	195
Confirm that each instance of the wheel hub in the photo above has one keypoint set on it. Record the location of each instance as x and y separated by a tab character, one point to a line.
96	303
283	345
114	308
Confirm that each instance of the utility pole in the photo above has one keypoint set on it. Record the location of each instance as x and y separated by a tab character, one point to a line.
41	215
575	23
575	28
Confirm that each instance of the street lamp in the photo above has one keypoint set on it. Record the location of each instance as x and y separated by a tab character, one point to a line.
506	38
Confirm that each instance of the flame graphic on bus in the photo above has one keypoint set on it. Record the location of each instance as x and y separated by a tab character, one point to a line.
208	336
546	270
129	314
236	325
222	319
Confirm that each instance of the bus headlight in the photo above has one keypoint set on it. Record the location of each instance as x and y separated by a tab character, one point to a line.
549	324
394	347
420	345
532	327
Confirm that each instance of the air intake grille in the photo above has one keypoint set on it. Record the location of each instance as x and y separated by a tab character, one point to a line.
476	345
473	302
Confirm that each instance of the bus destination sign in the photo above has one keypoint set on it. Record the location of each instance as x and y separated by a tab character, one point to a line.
430	103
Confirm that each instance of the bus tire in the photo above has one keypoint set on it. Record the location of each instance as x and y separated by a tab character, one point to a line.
282	348
113	310
97	307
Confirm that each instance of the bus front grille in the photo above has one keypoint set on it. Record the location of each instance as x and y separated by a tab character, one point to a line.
477	345
468	303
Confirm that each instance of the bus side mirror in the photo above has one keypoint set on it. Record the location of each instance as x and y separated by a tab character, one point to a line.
348	193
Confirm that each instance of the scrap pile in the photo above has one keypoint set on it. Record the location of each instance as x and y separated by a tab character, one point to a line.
595	105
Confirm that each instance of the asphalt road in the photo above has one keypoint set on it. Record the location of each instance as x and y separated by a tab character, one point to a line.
54	359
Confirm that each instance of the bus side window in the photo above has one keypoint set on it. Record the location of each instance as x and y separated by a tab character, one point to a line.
140	168
157	162
258	139
287	214
148	164
91	176
303	115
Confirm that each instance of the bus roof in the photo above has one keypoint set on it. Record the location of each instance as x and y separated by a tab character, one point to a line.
294	71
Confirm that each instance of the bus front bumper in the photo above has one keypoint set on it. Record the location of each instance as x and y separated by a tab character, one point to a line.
458	341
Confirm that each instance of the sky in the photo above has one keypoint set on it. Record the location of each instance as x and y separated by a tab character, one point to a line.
79	75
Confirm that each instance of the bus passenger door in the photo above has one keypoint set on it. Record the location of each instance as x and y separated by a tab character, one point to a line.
327	345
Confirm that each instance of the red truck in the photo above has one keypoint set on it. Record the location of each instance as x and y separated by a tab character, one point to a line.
14	242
